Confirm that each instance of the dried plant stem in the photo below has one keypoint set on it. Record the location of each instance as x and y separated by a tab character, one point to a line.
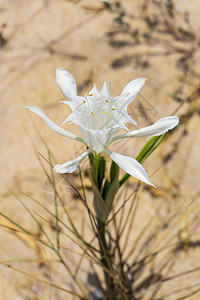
49	246
55	201
43	281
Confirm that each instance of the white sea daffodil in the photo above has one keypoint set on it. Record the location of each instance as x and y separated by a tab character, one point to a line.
100	117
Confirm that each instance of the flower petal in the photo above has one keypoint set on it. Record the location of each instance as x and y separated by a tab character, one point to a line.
130	166
73	119
71	165
132	88
66	83
52	125
94	90
104	89
71	104
159	127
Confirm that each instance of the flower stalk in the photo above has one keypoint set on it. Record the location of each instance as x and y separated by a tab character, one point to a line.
98	163
106	259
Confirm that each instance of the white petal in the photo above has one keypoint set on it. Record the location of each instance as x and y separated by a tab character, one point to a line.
159	127
66	83
71	165
73	119
133	88
74	103
52	125
123	117
104	89
94	90
71	104
130	166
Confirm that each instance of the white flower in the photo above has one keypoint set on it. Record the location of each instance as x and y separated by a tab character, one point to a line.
100	117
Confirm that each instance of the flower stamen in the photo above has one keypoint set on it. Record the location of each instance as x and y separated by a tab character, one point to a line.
108	101
90	95
105	112
92	114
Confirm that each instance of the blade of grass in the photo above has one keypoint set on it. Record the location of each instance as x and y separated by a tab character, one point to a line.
67	227
39	225
55	200
26	231
134	204
131	215
70	238
45	172
43	281
121	207
25	260
46	244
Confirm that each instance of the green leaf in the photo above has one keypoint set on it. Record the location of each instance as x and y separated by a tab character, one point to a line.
105	188
101	209
113	170
91	158
101	171
95	168
113	188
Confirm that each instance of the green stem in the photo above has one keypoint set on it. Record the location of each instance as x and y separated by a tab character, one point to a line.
97	163
106	259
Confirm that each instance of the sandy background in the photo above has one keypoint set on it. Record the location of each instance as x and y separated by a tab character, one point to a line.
38	36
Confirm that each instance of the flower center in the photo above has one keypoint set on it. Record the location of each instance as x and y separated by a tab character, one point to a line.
97	111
